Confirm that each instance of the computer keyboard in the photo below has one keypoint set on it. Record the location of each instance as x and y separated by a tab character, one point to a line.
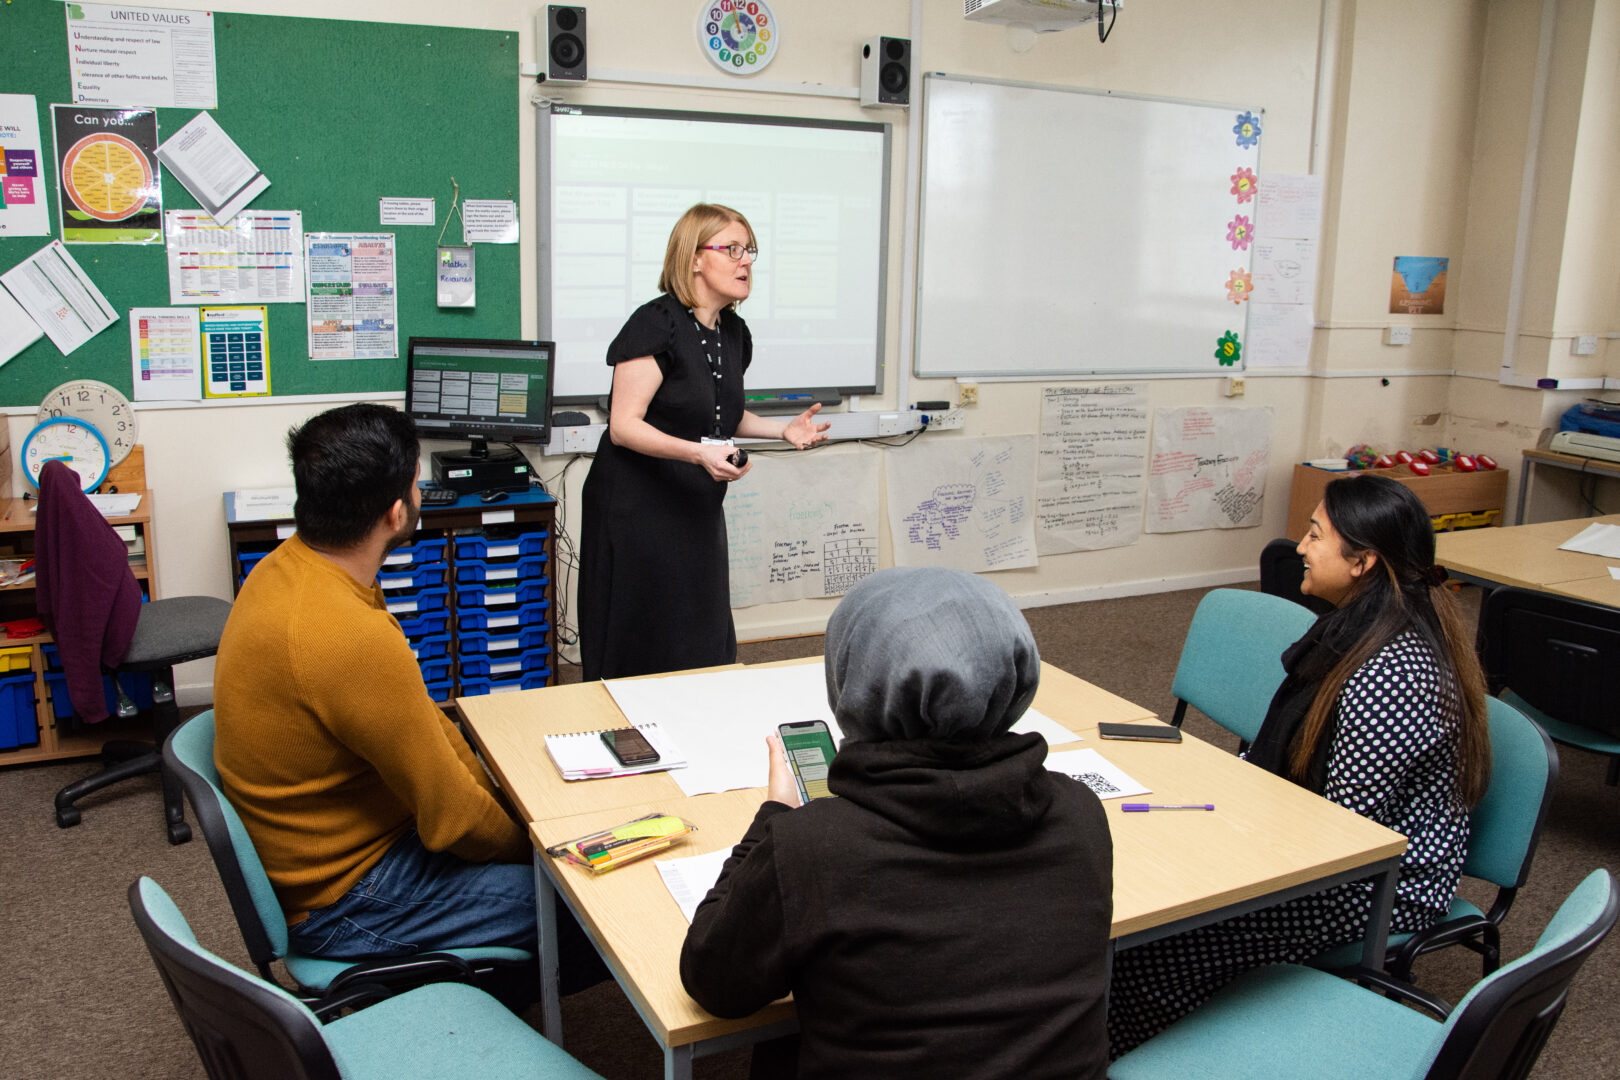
438	496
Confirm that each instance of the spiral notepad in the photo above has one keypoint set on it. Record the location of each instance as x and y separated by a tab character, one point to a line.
583	756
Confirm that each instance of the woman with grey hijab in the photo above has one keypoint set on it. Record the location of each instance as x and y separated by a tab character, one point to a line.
948	914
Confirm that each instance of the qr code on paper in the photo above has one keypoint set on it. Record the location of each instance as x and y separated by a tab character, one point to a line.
1096	782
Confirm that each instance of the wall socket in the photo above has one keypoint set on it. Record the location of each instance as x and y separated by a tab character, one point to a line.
950	420
1234	386
1398	335
967	392
1585	345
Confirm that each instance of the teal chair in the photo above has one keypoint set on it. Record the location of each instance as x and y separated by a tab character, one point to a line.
1503	831
1554	657
1231	661
327	986
248	1029
1288	1021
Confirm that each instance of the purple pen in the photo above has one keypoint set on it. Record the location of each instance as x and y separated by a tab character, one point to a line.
1142	807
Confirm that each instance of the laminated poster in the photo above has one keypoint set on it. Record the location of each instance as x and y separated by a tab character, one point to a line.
107	175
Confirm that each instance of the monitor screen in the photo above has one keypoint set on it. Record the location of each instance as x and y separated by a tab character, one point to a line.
459	388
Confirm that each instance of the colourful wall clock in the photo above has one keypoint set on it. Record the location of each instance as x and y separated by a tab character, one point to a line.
738	36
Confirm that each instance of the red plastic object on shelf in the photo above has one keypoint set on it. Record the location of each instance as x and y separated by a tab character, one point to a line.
1465	463
1384	462
1404	457
1429	456
1419	468
1486	462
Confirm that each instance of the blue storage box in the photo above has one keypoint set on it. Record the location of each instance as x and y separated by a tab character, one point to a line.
433	622
501	618
480	570
18	724
247	560
482	547
418	602
439	690
411	577
436	671
430	646
476	641
426	550
138	685
508	664
530	680
501	595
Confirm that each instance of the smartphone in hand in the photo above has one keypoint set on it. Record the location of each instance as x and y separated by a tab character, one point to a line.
809	750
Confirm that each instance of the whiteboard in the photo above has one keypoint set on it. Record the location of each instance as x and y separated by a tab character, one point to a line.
1068	232
614	181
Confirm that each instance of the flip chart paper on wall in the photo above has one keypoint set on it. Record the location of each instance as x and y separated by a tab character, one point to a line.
1093	452
803	525
1208	469
964	503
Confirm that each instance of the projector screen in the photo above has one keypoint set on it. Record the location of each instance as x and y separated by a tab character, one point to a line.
613	182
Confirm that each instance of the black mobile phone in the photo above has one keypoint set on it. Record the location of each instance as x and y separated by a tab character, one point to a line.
809	748
630	747
1140	732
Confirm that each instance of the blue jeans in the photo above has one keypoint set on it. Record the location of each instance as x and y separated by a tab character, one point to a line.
415	900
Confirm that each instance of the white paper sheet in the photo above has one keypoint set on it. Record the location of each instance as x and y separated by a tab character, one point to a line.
17	330
1284	271
264	504
1280	335
489	221
165	354
963	503
1596	539
1099	774
257	259
1288	205
1614	573
1055	734
212	167
690	879
141	56
1090	465
1208	469
405	211
116	505
23	209
56	293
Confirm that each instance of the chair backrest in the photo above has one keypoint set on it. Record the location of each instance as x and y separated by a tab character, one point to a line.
1505	826
244	1028
1557	653
1498	1030
189	754
1282	572
1231	661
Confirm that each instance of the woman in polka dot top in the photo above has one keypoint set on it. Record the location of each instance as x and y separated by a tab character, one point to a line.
1382	710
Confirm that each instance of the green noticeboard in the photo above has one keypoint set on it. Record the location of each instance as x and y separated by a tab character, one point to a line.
337	115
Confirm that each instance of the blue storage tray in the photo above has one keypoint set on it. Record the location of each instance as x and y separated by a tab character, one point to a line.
482	547
18	724
430	646
426	550
493	595
440	690
480	570
411	577
504	665
477	641
501	618
138	685
416	603
247	560
436	671
530	680
433	622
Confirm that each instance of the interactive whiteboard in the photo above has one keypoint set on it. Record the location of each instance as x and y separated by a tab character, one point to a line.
1068	232
614	181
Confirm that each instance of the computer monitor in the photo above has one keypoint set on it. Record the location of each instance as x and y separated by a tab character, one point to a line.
477	389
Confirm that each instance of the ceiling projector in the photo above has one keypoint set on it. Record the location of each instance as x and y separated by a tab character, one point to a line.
1045	16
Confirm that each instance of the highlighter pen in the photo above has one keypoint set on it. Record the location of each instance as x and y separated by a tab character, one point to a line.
1142	807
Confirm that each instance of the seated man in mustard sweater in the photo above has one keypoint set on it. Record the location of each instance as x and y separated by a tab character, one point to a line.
379	829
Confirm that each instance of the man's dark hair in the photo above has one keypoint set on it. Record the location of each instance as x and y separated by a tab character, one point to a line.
349	465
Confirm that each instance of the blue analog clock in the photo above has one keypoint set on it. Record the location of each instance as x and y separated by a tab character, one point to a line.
75	443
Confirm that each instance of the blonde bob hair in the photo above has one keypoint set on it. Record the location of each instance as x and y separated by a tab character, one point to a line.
697	227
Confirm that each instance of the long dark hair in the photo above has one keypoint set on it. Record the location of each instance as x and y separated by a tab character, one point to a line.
1374	515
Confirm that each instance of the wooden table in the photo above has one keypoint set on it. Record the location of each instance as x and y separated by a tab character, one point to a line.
1528	556
1268	841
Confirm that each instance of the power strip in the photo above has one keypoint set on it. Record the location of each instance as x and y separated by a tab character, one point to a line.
949	420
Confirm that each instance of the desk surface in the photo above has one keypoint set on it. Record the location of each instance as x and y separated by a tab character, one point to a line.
1267	835
1528	556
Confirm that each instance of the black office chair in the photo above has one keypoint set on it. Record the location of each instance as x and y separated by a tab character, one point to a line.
1554	658
1282	572
166	632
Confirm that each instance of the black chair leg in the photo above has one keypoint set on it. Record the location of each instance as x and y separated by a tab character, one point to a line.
67	815
165	718
1614	770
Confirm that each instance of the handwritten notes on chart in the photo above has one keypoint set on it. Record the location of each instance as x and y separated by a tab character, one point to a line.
964	503
1093	451
1208	469
803	525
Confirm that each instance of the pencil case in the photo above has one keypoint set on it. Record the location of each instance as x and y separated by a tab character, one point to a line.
611	848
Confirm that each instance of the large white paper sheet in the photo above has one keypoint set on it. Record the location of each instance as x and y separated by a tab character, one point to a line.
352	312
141	56
23	209
803	525
165	354
690	879
257	259
963	503
1288	205
1284	272
54	290
212	167
1208	469
1093	453
1036	722
1596	539
1280	336
1099	774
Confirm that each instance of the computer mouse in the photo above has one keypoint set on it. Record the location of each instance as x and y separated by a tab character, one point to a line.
492	496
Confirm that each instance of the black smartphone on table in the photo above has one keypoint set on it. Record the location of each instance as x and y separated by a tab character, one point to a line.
629	747
1140	732
809	749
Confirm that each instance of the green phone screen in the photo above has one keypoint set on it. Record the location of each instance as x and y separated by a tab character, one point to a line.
809	749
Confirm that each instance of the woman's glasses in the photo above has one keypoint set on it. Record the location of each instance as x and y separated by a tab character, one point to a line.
733	251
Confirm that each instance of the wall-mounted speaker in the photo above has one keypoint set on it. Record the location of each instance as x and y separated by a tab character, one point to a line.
886	72
565	43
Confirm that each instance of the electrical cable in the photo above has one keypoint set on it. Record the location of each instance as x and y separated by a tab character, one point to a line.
1102	35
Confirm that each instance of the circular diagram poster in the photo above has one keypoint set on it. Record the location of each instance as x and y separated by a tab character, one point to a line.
107	171
738	36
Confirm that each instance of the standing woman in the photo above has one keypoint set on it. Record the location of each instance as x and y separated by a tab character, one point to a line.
1382	710
654	583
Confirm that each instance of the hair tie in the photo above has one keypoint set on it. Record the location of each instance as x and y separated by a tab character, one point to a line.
1436	576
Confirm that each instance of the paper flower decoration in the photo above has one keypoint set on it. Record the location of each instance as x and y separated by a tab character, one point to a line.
1243	183
1239	285
1228	350
1239	233
1247	129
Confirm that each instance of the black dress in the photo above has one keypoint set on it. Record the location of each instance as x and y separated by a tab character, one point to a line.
654	580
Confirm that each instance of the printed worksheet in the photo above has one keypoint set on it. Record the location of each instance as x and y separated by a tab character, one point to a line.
257	259
352	313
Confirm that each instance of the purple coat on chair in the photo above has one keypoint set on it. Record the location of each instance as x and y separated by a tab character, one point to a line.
83	587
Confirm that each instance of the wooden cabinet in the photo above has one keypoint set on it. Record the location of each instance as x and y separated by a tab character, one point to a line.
63	738
1445	493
